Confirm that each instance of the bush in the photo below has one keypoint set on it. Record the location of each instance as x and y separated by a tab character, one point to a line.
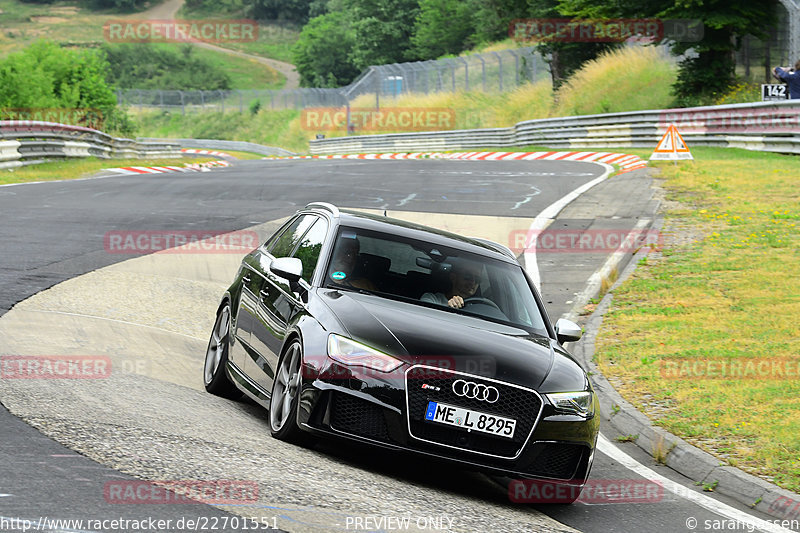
45	76
149	66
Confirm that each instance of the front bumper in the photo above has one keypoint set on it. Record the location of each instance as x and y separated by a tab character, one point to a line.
374	408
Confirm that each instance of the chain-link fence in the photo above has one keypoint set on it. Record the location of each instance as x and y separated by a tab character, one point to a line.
491	71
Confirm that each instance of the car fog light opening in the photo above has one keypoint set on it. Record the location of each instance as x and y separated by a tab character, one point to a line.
352	353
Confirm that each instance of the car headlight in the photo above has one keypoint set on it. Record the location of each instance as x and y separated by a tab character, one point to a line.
573	403
352	353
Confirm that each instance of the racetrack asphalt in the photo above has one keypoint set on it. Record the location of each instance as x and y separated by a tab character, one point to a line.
57	230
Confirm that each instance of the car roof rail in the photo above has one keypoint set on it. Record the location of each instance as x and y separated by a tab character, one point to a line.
326	206
497	246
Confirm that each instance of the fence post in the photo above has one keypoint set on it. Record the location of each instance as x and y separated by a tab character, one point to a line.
499	69
483	70
183	103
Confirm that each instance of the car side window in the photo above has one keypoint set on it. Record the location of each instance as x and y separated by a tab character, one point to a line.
283	246
309	248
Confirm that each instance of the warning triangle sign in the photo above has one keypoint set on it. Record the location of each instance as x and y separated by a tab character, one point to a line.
671	147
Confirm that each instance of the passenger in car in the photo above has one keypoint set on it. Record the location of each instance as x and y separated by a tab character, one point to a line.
465	277
344	263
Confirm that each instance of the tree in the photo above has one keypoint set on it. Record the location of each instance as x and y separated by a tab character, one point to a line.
291	10
442	27
708	69
382	31
322	54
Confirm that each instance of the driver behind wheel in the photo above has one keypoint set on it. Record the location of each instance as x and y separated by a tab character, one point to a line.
465	277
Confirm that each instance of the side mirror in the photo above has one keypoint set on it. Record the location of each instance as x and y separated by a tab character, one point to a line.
567	331
289	268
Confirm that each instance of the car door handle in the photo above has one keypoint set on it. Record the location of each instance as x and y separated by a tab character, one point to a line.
246	278
264	294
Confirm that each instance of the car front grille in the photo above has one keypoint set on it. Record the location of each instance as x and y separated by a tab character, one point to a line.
425	384
358	417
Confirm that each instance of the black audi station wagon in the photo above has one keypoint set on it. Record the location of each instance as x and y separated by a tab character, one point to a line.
358	326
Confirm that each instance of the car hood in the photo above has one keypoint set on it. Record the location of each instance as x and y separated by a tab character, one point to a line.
423	335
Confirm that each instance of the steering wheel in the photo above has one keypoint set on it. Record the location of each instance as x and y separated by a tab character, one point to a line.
475	300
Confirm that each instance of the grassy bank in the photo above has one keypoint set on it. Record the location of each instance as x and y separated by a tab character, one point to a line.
640	72
79	168
272	128
723	291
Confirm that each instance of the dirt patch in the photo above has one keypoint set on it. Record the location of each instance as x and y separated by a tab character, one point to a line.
48	20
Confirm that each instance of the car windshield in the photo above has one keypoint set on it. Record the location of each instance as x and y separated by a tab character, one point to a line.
431	275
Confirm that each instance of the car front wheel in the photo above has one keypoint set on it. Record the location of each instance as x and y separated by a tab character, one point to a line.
285	397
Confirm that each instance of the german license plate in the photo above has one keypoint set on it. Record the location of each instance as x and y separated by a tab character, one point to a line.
469	419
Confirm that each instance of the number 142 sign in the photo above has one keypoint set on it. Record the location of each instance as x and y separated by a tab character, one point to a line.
773	91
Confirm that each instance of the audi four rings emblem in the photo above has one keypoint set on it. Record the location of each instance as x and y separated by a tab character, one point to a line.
477	391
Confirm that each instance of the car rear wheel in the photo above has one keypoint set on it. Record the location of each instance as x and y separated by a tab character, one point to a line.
285	397
214	376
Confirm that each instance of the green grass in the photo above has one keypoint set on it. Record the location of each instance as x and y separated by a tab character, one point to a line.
78	168
271	128
274	41
275	38
241	155
245	73
69	23
724	288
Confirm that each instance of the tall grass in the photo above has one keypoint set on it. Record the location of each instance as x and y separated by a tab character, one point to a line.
268	127
628	79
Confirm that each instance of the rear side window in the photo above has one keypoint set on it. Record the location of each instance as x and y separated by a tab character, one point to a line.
285	244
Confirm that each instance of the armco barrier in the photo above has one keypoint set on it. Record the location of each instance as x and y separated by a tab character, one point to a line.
217	144
768	126
26	142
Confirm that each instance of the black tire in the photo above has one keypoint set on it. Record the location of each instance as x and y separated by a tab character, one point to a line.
285	398
214	376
